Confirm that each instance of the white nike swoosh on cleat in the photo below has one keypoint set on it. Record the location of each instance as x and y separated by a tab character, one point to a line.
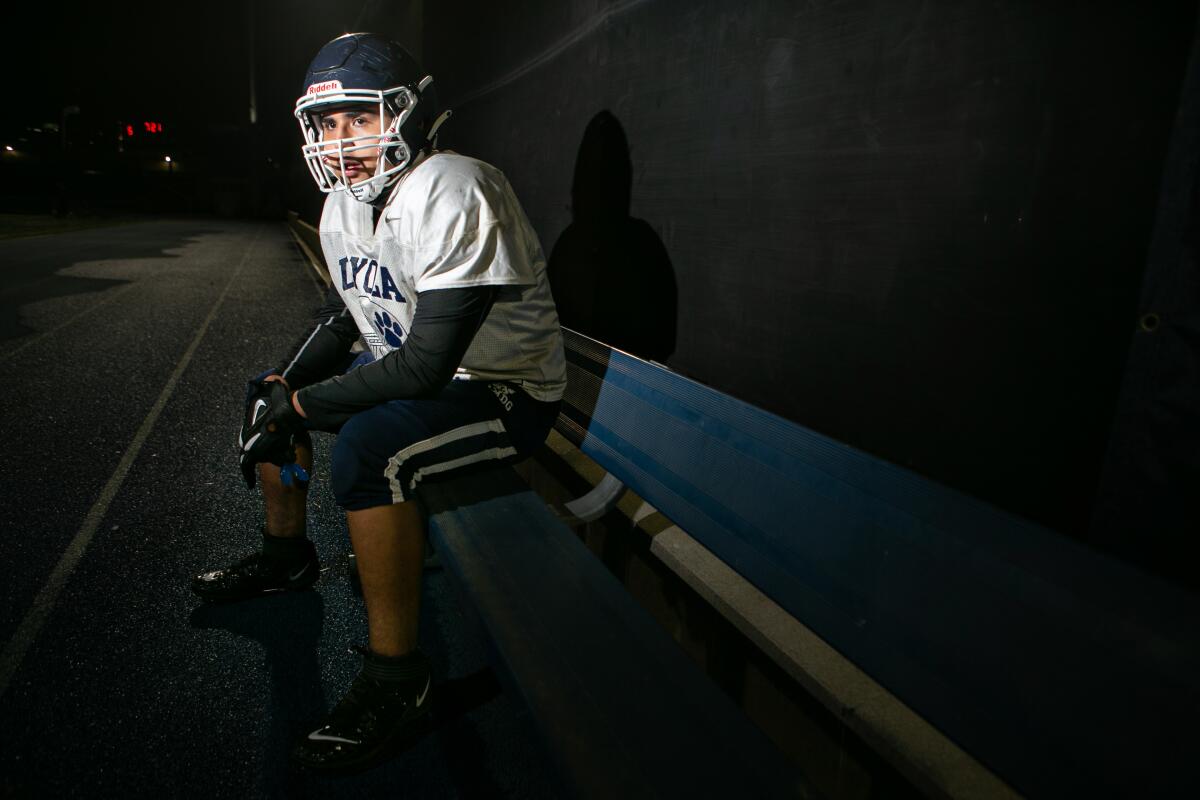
317	736
258	406
303	570
421	699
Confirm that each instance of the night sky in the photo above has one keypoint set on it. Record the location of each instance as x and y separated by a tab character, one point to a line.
187	65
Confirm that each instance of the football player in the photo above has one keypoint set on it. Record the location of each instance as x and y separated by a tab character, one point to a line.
436	268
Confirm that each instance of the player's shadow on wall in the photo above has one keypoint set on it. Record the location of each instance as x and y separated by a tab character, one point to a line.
610	273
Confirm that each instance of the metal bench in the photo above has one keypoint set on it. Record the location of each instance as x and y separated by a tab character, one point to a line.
979	652
622	709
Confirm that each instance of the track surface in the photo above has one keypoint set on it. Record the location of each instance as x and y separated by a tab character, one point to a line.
123	358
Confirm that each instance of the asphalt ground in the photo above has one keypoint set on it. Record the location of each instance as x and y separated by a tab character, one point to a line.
124	353
20	225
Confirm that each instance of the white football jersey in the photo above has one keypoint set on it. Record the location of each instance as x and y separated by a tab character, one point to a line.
451	222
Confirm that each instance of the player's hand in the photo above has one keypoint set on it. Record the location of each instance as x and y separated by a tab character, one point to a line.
268	430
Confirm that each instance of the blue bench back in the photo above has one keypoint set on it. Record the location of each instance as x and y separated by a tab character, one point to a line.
1064	671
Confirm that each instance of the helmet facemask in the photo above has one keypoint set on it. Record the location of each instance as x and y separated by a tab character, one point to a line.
394	155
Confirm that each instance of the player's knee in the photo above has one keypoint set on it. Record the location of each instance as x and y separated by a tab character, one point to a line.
354	471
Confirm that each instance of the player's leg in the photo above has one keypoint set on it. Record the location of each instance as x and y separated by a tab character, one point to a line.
286	504
380	458
286	559
388	704
388	542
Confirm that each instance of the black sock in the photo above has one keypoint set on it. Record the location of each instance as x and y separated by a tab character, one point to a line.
285	548
396	669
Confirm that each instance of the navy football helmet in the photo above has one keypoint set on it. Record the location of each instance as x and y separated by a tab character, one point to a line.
367	68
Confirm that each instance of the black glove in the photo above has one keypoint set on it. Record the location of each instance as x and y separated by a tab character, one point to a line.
269	428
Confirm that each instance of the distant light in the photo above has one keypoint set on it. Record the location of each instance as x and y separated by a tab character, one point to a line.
129	130
168	159
8	147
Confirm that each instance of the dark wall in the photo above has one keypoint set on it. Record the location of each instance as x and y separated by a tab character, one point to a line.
917	227
1148	504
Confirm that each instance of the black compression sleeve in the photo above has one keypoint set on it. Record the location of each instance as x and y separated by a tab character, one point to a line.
445	322
323	347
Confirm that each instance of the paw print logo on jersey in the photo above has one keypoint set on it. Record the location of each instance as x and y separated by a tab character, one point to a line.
393	334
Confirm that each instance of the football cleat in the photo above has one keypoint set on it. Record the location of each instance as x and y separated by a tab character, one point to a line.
256	575
375	720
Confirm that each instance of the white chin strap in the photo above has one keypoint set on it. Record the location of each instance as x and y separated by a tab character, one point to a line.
365	191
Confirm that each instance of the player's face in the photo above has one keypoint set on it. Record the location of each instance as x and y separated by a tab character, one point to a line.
359	159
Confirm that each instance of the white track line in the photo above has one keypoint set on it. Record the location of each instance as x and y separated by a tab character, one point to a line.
43	604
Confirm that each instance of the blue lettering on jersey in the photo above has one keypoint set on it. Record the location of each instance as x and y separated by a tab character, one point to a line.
356	265
375	280
390	290
369	282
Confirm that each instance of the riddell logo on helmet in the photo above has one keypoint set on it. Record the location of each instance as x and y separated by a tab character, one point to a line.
324	87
